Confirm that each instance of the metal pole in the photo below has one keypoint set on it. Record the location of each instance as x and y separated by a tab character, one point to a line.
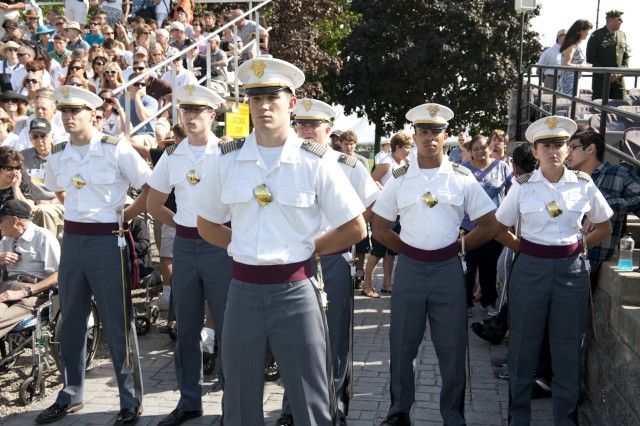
519	103
597	14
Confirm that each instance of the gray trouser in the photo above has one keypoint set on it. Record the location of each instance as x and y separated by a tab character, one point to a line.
91	264
200	271
287	318
542	292
337	284
435	290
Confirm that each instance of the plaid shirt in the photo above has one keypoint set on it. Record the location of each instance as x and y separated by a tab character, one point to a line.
621	189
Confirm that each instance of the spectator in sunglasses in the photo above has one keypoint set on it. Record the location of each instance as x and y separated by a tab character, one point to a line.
77	70
111	76
95	36
12	187
112	112
142	107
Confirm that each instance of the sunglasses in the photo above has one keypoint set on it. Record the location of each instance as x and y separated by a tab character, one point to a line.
99	117
11	168
107	32
32	70
10	101
38	135
110	72
99	64
138	69
59	23
75	68
23	54
107	100
74	83
146	33
139	84
95	23
11	49
31	81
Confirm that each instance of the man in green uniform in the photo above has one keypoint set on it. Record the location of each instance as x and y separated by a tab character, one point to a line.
607	47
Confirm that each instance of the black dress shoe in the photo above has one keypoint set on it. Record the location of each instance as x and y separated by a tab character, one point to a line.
399	419
492	333
128	416
285	420
177	417
56	412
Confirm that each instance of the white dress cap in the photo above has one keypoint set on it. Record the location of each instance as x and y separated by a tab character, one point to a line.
313	111
269	75
76	97
196	96
553	128
430	116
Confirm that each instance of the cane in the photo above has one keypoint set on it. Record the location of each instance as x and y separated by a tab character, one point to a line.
464	271
587	264
122	244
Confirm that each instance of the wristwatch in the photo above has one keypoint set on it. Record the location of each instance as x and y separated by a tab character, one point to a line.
29	292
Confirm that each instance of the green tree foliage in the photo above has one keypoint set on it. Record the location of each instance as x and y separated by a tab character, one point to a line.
460	53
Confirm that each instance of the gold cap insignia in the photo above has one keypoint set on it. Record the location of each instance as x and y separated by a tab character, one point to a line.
307	104
551	122
258	68
65	92
190	88
433	110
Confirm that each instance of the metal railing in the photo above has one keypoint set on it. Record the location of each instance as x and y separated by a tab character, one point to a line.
169	62
533	107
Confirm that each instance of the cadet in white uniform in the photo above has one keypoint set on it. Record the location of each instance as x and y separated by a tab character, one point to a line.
92	173
276	188
313	122
548	284
431	195
200	270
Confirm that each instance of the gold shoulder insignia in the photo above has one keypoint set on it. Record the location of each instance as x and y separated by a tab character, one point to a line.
314	147
462	169
582	175
59	147
349	160
400	171
111	140
171	148
524	178
231	146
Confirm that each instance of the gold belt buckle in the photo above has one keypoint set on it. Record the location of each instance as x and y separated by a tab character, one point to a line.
554	209
262	194
430	199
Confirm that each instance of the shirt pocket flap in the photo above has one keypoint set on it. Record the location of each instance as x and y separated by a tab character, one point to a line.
450	198
236	195
531	207
176	178
103	178
578	204
62	180
296	197
407	199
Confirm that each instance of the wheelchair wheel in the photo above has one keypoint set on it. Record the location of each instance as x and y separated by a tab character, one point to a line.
208	363
93	337
29	392
143	325
7	345
271	372
154	313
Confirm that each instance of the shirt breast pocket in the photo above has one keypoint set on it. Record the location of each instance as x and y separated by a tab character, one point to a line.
63	180
407	199
296	198
578	205
450	199
103	178
236	195
177	177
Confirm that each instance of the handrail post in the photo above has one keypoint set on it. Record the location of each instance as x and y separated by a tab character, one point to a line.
209	64
174	101
127	113
236	82
606	86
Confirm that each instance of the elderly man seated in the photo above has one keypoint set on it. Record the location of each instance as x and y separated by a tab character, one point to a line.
31	255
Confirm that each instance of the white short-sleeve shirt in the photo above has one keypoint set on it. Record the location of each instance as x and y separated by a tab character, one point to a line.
528	202
39	252
303	187
106	170
172	170
432	228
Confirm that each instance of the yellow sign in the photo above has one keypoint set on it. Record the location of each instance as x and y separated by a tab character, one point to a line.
237	123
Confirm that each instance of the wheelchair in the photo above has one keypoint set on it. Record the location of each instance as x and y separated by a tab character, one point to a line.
41	334
149	315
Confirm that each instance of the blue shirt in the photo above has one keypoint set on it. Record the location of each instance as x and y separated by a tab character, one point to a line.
91	39
150	104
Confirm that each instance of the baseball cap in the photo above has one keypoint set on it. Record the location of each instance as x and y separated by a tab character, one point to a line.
16	208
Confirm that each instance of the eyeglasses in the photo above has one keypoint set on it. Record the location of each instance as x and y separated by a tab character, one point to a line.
99	117
138	69
23	54
30	81
11	168
38	135
139	84
75	83
574	147
110	71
